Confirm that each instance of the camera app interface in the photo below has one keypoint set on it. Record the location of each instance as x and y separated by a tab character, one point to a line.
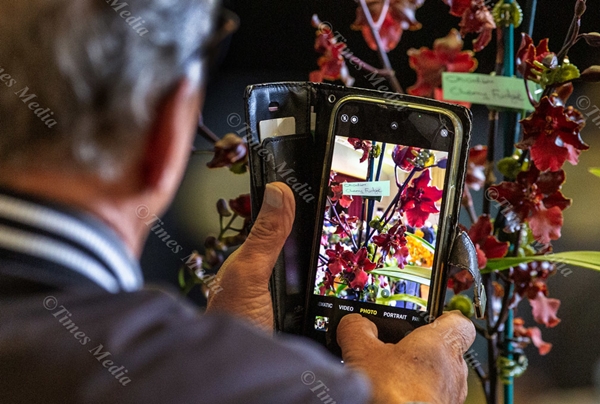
379	231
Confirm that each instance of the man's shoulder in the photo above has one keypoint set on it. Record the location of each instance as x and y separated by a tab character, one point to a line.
155	346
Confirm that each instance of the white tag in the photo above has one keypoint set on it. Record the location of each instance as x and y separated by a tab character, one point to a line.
277	127
372	189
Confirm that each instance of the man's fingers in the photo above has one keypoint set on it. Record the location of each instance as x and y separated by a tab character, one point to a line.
356	334
272	227
456	330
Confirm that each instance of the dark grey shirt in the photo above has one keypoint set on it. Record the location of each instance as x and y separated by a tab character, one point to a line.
76	327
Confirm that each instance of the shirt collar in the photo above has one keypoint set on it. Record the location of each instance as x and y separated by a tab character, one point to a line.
69	238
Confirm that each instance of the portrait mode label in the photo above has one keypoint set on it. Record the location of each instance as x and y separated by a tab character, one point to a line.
366	189
496	91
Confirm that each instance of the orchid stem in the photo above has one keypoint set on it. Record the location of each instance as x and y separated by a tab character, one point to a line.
228	227
206	133
344	224
468	204
383	57
532	100
394	203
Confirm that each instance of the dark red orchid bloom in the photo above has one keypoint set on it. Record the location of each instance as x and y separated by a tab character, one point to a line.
486	244
530	278
337	193
476	167
403	157
418	201
394	240
459	279
533	334
230	150
328	283
241	205
357	265
348	223
336	263
535	198
332	65
360	144
458	7
399	17
477	19
429	64
529	53
552	134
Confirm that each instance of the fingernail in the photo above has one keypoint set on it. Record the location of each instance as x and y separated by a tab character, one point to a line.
273	197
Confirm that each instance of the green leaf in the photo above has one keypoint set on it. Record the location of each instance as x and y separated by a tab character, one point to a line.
410	273
583	259
403	297
595	171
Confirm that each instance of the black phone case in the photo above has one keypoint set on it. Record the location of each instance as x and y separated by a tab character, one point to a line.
298	161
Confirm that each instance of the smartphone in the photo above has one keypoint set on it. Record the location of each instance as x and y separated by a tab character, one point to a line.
386	216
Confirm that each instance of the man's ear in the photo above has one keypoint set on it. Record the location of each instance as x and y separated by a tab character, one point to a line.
169	138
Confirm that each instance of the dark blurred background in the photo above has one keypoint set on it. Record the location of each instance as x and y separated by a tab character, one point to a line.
275	43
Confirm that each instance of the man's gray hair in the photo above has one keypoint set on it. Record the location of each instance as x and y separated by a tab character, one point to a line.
80	79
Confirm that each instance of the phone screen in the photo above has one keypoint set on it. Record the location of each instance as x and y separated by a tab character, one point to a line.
383	210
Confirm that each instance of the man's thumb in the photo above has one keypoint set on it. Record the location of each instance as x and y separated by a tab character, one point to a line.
356	334
454	330
272	227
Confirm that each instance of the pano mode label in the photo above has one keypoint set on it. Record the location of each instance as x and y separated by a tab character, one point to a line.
373	189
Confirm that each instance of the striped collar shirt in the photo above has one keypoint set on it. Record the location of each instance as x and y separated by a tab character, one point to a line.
63	247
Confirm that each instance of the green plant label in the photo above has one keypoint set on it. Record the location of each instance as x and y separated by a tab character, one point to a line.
493	91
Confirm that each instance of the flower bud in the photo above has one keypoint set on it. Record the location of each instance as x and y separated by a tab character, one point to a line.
463	304
580	8
222	208
550	61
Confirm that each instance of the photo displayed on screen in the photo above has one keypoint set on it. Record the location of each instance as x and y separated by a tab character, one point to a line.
381	222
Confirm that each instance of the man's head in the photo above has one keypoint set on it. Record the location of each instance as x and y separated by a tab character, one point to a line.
100	96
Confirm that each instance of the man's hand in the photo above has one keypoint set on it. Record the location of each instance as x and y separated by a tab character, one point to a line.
244	276
426	366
